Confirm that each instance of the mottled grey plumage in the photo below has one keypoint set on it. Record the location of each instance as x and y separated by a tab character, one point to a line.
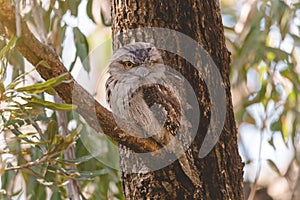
146	99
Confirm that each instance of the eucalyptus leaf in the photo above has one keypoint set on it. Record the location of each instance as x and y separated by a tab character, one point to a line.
89	12
8	46
43	63
42	87
47	104
274	167
82	48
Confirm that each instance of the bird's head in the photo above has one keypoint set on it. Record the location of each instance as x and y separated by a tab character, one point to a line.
136	58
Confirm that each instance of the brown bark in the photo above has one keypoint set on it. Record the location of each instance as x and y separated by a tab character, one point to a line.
221	170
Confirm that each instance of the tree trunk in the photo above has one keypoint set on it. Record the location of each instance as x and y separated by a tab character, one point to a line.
220	172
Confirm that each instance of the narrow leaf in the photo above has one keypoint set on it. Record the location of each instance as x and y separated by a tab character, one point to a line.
42	87
7	47
82	48
47	104
52	130
43	63
89	10
273	166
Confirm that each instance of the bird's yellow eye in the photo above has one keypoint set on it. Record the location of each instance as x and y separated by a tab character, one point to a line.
128	64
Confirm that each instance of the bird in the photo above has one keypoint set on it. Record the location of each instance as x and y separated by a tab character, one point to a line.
147	99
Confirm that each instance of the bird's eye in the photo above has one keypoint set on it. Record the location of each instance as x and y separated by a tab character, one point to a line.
128	64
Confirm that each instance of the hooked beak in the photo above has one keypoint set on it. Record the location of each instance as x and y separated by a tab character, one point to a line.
142	71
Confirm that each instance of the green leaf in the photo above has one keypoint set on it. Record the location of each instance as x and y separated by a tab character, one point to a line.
25	135
7	47
14	84
273	166
2	90
42	87
73	64
284	129
17	192
58	140
32	102
56	196
89	8
19	134
296	39
276	126
52	130
120	188
38	192
297	5
62	143
271	142
82	48
16	59
15	122
51	91
43	63
105	21
73	6
7	178
284	23
63	7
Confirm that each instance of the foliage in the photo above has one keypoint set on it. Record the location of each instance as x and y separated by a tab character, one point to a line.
263	37
35	146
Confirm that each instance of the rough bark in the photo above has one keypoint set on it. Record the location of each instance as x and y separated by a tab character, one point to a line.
221	170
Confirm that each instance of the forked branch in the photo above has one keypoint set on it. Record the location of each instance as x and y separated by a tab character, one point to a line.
70	91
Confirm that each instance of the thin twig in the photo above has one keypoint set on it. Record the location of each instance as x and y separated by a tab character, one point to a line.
254	186
44	159
73	188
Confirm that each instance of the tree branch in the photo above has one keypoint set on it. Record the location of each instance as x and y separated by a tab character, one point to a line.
71	92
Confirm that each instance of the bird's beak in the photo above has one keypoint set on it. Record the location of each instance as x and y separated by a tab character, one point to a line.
142	71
